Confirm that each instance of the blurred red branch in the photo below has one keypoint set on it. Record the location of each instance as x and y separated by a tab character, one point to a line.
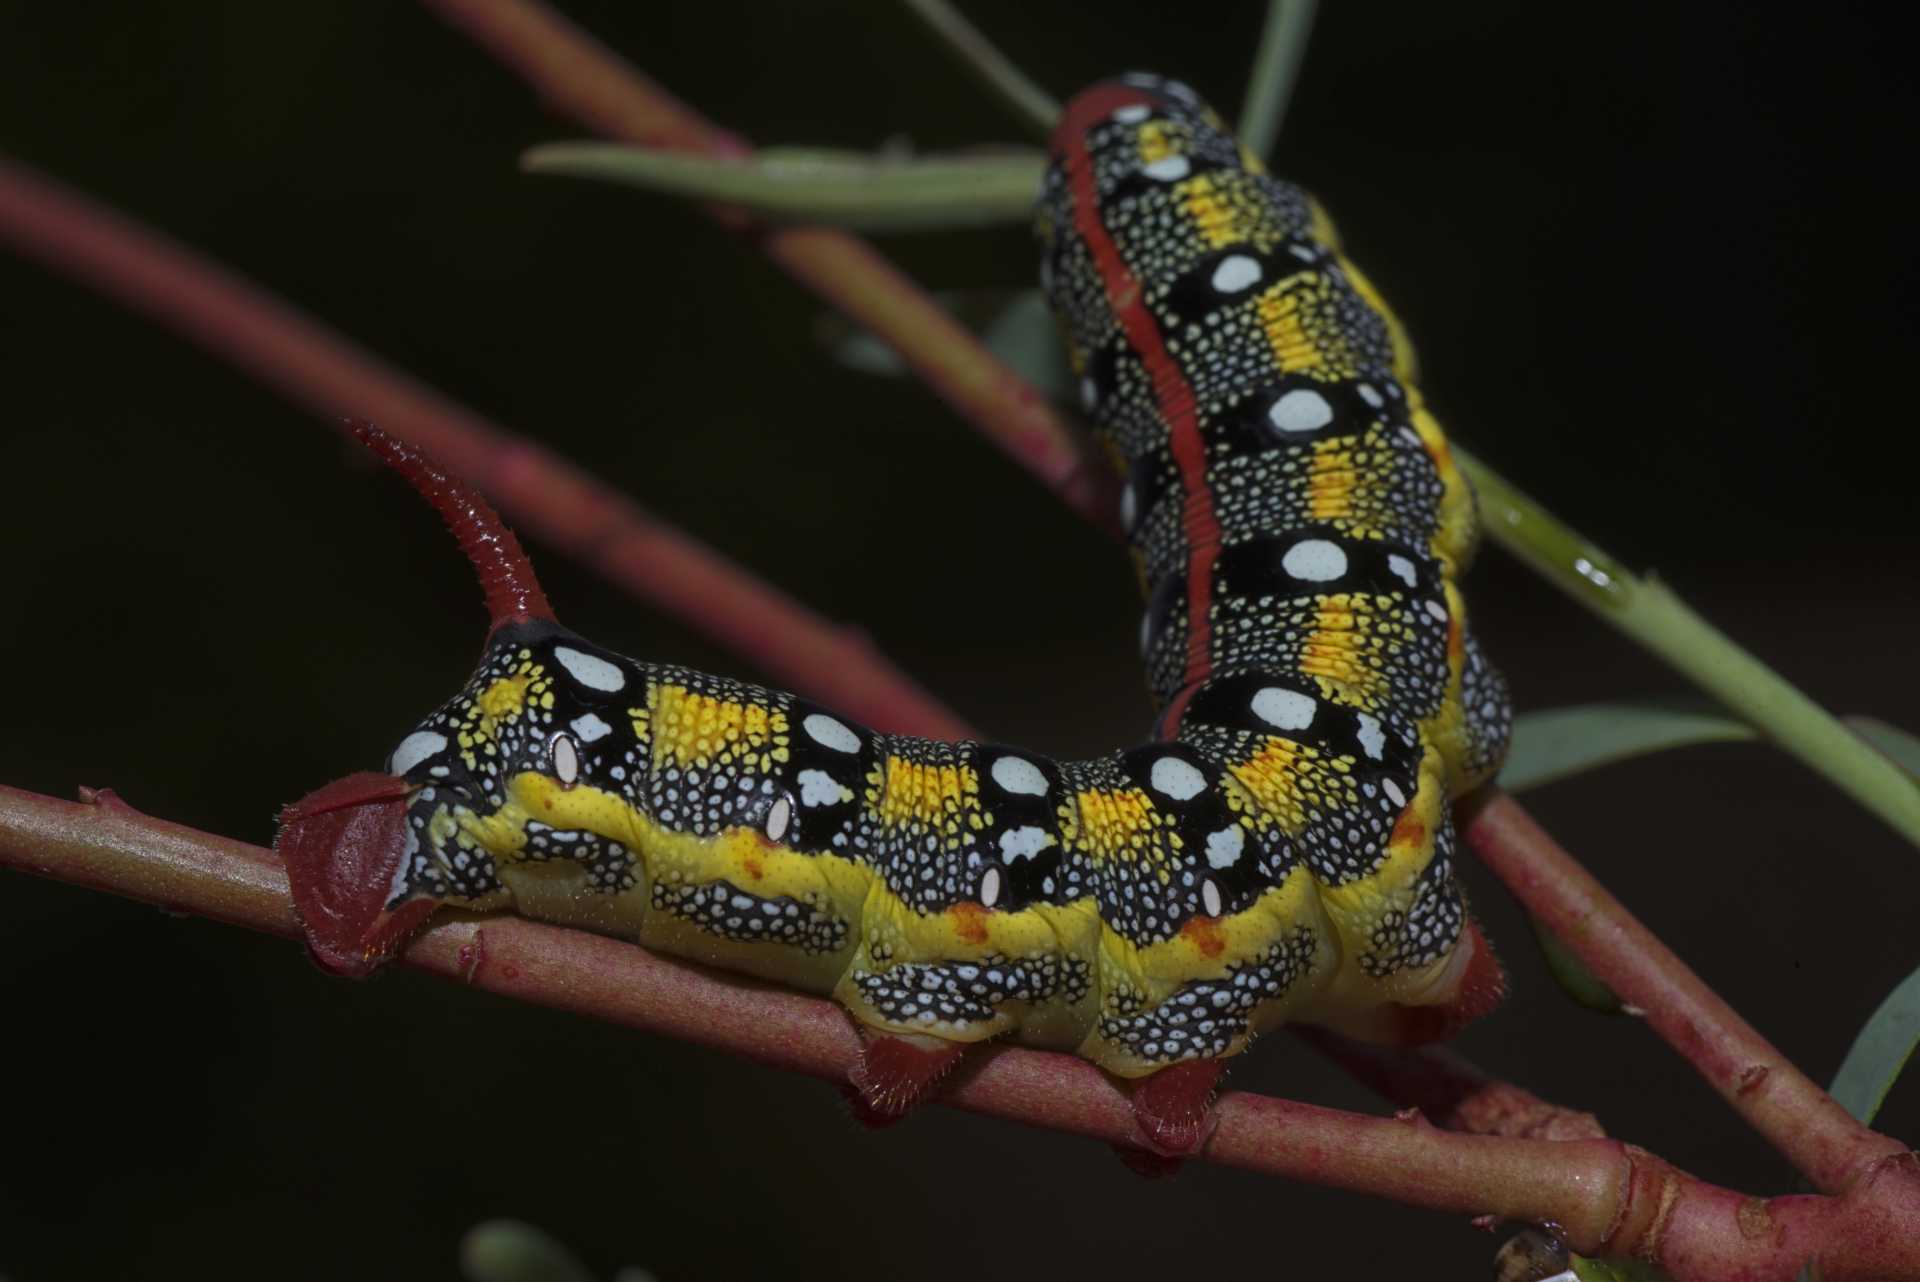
580	77
543	494
1609	1198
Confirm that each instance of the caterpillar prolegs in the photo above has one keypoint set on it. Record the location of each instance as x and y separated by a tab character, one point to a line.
1279	850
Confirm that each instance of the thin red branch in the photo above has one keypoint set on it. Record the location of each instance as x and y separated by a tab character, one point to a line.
580	77
1787	1108
1450	1091
1610	1198
543	494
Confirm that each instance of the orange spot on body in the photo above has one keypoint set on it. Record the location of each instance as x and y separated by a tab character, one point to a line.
969	922
1205	934
1408	830
755	869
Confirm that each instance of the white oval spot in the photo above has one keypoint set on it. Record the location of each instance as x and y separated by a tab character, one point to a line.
1089	394
1016	774
589	727
590	670
1373	741
1178	779
414	749
565	757
818	788
1315	561
1131	114
1224	847
1146	635
1404	569
1284	709
828	733
1438	611
1371	395
1167	169
779	818
1392	789
1301	410
1210	898
1235	272
1024	843
990	888
1129	507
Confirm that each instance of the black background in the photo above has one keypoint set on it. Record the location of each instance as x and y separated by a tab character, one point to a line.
1659	264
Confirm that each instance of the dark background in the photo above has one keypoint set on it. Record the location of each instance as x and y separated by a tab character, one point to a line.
1659	264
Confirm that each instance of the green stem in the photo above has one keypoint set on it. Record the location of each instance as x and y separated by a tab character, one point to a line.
1276	70
1648	612
994	69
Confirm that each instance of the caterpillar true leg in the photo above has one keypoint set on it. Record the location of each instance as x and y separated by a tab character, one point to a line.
1280	850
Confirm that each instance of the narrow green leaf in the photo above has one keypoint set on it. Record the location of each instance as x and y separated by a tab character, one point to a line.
1276	69
513	1251
1559	742
1881	1050
1892	740
840	188
993	69
1568	971
1616	1270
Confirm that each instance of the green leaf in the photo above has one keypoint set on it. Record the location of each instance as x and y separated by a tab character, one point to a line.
840	188
1559	742
1276	69
1892	740
989	66
1881	1050
1572	974
513	1251
1619	1269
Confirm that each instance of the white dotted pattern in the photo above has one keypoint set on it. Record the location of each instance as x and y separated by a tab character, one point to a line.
1178	779
1284	709
1018	775
829	733
590	670
1315	561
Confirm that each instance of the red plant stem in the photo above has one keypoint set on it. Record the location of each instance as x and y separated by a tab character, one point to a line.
1610	1198
543	494
1450	1091
1793	1114
580	77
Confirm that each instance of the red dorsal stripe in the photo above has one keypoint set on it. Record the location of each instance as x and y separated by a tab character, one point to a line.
1171	391
506	576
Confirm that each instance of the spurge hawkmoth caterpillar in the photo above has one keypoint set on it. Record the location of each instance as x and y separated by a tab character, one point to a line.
1279	850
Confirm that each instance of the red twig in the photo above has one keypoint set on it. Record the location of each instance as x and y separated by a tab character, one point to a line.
542	493
1451	1091
1779	1101
582	78
1610	1198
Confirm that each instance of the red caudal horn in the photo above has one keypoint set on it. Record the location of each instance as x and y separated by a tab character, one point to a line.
506	576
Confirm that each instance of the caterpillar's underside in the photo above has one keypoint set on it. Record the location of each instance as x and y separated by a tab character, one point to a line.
1280	850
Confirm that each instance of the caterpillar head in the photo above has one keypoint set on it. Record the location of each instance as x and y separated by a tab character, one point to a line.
369	856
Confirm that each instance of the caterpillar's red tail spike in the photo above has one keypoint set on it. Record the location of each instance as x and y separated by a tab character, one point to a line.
506	576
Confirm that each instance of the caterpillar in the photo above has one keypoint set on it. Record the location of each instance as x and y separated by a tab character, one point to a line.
1278	850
